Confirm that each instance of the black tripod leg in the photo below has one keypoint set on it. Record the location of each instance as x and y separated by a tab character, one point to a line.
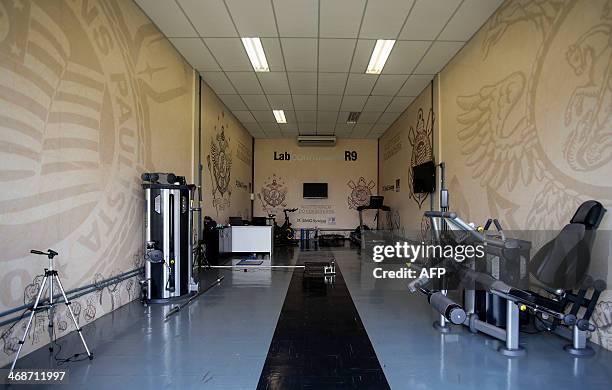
76	324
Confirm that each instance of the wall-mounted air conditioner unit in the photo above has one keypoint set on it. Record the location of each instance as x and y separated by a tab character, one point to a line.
316	140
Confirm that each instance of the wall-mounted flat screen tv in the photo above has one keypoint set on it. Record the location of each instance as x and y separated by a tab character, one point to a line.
424	178
315	190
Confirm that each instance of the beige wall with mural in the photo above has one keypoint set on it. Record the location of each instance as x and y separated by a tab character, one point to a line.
227	158
91	95
525	121
408	142
279	183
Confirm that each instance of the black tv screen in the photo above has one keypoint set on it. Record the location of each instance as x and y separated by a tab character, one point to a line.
424	178
315	190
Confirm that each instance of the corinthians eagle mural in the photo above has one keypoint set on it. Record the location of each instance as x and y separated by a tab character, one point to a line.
219	163
422	149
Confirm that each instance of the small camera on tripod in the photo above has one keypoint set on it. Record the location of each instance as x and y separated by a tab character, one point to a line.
50	253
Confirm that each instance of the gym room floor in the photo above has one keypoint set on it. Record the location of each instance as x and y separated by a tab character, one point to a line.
226	340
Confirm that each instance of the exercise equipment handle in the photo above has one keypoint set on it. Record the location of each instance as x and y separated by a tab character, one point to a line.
487	224
37	252
441	214
497	225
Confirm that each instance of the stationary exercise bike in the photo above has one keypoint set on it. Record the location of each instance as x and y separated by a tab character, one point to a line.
283	234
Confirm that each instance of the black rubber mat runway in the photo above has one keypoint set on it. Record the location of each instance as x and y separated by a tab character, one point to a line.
320	341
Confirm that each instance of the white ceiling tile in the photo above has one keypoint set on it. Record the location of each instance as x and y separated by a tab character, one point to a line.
274	82
343	116
468	19
305	102
281	102
329	102
363	51
335	54
325	129
360	84
253	18
415	84
388	118
369	116
377	103
384	19
404	56
229	53
196	53
389	84
245	82
209	17
328	117
289	127
306	117
344	127
269	127
362	129
274	54
168	17
307	127
243	116
300	54
438	56
332	83
256	102
233	102
303	83
340	18
353	103
296	18
218	82
400	103
379	128
263	116
427	19
290	116
252	127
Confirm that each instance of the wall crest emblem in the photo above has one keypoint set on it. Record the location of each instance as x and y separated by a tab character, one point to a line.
219	163
422	150
273	194
360	192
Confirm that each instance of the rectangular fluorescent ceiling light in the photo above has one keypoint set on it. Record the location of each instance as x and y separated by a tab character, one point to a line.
280	116
256	54
381	52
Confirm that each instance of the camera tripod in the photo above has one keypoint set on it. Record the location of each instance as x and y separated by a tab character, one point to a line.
51	276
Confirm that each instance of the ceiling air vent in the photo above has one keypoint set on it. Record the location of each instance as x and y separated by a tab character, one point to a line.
353	117
316	140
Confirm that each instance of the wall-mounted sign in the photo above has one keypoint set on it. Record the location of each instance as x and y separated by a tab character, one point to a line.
349	155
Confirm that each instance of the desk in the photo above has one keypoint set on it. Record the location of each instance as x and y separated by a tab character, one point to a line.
246	239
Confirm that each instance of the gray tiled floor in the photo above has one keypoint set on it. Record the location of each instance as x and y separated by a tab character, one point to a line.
221	341
416	356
